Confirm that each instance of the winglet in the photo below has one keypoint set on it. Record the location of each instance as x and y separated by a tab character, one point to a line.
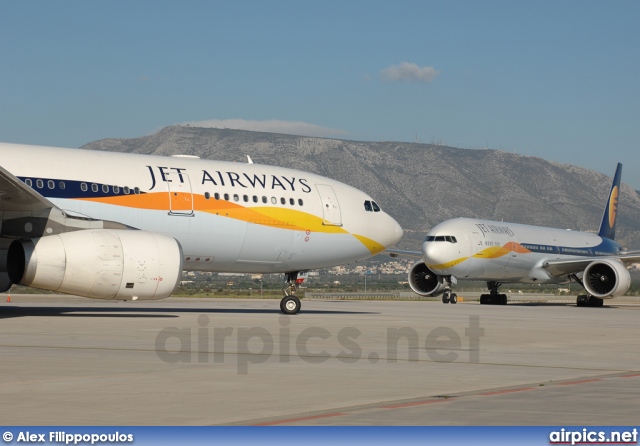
608	225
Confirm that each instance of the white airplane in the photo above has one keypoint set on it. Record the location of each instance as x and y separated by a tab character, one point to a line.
124	226
499	252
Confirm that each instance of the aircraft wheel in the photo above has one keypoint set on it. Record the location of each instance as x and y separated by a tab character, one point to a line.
595	302
290	305
503	299
483	299
453	299
445	298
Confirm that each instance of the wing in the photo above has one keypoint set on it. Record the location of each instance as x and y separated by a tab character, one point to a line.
402	252
26	213
558	268
15	196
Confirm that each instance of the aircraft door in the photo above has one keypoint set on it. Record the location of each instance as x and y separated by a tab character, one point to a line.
476	242
180	194
476	264
331	215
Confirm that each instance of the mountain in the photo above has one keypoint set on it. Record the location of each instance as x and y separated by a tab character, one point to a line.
419	184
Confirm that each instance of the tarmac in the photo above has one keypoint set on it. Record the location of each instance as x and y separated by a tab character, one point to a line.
73	361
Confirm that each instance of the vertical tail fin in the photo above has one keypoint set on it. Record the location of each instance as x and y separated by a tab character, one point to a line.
608	225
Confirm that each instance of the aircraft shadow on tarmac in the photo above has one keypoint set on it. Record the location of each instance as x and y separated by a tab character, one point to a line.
556	304
141	312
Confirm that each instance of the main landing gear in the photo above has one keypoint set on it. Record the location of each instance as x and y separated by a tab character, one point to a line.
290	304
586	300
493	298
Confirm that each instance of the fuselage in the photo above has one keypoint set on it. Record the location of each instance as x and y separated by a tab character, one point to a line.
473	249
228	217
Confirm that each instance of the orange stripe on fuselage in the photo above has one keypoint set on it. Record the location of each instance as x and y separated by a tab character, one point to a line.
493	252
263	215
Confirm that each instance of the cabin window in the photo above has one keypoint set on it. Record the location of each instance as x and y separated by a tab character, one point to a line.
216	196
51	184
94	187
255	199
61	185
207	195
116	190
274	200
300	202
264	199
226	197
126	190
105	189
84	187
39	184
136	190
292	202
236	197
282	200
245	198
28	182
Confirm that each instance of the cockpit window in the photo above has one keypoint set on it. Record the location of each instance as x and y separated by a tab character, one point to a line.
371	206
441	238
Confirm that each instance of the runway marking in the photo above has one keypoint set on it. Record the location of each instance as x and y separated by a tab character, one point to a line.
424	402
502	392
415	403
297	420
582	381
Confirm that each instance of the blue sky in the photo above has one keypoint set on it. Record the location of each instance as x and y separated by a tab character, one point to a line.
554	79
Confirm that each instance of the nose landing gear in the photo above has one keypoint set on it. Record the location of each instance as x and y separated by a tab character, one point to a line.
449	297
290	304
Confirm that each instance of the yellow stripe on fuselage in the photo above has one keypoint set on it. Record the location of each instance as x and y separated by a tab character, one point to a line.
448	264
276	217
493	252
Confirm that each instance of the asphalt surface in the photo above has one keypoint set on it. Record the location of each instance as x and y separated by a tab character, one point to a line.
74	361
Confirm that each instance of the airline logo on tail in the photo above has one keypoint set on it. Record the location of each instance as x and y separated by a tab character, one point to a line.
613	206
608	225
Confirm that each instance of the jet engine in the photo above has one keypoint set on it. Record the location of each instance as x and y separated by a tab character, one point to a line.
606	279
425	282
99	263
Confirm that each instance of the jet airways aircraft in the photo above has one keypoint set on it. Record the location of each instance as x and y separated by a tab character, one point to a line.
499	252
124	226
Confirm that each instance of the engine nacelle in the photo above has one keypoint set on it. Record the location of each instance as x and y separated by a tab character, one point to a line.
99	263
425	282
606	279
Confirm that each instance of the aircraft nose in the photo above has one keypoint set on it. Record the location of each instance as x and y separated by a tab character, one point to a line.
389	232
431	254
398	232
395	233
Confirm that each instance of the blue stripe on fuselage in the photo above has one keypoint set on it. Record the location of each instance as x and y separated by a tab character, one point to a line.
607	247
70	189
